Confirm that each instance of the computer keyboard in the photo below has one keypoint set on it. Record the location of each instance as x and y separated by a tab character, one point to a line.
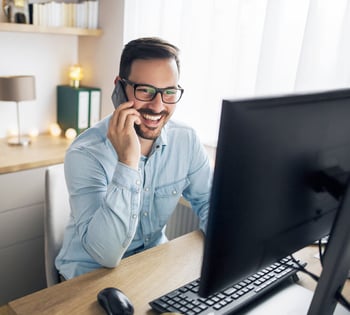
185	300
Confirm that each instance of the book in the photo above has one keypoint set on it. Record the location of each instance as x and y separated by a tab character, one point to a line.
65	13
78	108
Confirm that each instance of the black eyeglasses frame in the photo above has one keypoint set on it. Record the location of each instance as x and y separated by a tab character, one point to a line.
158	90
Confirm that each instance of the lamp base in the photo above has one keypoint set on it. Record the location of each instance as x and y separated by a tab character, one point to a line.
18	141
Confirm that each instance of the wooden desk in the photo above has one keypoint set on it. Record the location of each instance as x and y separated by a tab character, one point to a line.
142	277
43	151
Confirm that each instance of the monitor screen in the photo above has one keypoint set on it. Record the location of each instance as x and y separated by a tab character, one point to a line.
266	200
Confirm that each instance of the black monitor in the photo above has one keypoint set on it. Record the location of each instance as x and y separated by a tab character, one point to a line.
280	177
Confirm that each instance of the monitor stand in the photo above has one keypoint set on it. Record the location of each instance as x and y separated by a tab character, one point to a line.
336	260
292	299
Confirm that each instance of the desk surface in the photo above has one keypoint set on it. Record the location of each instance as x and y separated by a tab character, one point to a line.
142	277
43	151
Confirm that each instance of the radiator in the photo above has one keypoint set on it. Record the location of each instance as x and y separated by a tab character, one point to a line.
182	221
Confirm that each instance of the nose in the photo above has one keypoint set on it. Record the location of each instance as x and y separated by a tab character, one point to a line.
157	104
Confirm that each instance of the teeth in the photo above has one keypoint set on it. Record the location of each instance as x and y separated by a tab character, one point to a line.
152	117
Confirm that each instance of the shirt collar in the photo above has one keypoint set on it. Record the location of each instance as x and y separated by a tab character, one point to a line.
161	142
163	137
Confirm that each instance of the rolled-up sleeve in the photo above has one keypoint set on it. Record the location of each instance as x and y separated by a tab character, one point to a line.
105	213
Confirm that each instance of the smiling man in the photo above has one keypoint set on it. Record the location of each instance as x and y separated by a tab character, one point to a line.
126	174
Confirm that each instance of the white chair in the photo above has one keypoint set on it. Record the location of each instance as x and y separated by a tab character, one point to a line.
56	217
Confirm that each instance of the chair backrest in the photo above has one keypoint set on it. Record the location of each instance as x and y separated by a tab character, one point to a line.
56	217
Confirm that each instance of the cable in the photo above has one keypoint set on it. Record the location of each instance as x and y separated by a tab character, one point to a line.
298	266
342	300
320	252
339	296
301	268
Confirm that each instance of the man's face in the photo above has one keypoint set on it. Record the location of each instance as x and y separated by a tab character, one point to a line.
160	73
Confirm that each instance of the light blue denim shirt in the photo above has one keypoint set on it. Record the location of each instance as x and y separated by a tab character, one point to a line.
117	211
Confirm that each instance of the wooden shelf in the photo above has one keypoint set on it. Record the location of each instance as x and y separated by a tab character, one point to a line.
28	28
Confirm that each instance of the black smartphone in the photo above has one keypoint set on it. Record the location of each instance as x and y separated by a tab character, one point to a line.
118	95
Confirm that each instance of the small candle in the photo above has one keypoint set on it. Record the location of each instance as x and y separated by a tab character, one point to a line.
70	133
55	130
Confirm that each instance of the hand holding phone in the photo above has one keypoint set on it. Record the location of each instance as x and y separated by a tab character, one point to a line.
121	131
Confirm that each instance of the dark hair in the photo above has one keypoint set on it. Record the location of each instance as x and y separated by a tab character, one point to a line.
146	48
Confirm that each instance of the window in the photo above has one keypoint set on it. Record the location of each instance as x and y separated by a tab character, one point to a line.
244	48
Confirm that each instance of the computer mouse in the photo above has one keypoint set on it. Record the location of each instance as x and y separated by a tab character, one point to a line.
115	302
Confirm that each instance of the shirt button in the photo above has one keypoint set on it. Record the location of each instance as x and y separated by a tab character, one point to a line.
134	216
145	214
147	189
174	192
138	182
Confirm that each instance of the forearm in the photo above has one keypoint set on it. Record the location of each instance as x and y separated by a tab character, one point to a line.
105	212
110	231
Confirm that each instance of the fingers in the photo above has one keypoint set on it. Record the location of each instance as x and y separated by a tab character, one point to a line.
122	134
125	116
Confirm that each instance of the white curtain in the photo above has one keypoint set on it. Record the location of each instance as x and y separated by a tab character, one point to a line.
245	48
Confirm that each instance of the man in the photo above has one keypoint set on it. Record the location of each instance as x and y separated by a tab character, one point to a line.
126	174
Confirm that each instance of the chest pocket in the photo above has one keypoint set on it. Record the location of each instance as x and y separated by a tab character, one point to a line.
166	199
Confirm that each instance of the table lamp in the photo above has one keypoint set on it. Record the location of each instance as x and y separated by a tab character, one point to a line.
16	89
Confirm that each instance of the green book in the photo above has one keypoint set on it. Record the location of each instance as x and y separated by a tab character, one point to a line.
78	108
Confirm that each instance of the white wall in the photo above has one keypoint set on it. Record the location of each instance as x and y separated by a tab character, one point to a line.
48	57
100	55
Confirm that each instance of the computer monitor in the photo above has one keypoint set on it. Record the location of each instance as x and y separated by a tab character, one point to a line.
277	162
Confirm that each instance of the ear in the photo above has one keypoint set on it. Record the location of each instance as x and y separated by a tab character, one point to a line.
117	78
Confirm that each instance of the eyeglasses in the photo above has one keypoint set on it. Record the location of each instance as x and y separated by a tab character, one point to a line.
147	93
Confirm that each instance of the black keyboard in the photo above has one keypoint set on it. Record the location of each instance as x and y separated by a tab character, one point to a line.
185	300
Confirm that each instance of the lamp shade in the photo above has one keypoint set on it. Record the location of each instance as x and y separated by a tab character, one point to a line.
17	88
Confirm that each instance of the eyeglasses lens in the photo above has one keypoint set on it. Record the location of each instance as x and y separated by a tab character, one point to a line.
147	93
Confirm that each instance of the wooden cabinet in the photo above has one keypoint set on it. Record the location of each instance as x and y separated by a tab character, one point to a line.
22	202
21	233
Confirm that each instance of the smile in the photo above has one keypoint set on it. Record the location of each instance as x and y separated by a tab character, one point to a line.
151	117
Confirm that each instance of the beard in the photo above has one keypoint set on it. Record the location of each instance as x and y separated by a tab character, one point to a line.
147	132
